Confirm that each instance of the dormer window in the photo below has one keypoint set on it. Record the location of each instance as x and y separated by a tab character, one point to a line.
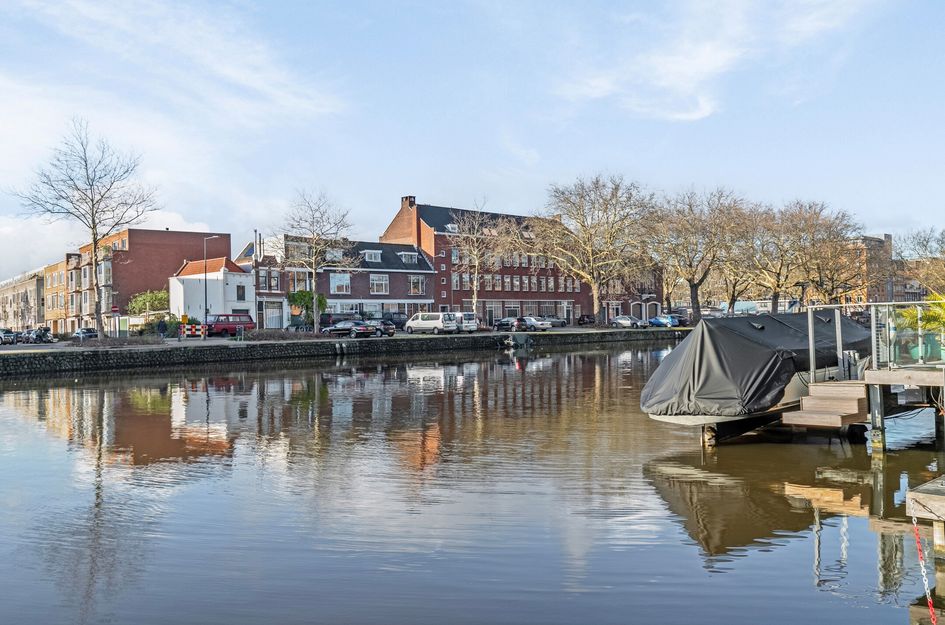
452	228
409	258
333	255
372	256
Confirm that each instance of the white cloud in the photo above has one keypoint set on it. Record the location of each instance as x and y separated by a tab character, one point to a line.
673	69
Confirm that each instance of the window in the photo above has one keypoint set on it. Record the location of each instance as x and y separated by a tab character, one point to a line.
124	244
541	262
466	283
487	282
560	284
524	260
340	283
418	286
524	283
333	255
240	293
515	260
507	261
508	282
380	284
442	267
516	283
551	264
452	228
442	253
534	280
273	280
454	256
455	277
577	286
72	301
409	258
442	294
85	277
443	280
541	283
372	256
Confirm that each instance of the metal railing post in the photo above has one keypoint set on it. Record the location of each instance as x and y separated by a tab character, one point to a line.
841	369
873	337
918	321
811	344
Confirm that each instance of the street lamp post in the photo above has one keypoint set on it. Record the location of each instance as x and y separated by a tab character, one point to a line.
206	306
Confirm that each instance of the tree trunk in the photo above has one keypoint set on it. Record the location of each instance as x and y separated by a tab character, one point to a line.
775	301
595	302
732	299
696	313
316	314
97	302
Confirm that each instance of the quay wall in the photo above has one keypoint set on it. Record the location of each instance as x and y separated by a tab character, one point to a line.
81	360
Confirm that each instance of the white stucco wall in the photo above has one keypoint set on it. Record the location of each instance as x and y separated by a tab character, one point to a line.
187	294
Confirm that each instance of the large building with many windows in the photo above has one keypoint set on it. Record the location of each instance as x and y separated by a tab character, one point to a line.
21	301
513	285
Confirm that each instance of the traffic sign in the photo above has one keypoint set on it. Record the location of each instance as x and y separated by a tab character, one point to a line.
114	309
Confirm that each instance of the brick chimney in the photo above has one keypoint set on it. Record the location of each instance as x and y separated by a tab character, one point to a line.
408	201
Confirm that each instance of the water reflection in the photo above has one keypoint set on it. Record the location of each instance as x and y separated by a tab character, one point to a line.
523	488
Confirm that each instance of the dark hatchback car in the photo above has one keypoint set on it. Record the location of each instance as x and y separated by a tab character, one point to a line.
510	324
354	329
85	333
382	327
399	319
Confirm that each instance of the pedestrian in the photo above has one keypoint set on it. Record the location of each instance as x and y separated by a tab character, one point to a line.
162	328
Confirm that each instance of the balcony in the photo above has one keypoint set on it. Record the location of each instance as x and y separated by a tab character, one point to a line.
908	334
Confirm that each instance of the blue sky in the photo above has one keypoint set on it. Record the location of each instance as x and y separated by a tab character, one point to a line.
235	105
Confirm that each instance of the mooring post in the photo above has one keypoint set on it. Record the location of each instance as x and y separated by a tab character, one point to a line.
877	418
838	328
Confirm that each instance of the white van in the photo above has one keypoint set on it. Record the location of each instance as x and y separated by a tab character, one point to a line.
435	322
467	322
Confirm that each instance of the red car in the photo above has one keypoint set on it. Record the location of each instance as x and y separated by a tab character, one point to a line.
227	325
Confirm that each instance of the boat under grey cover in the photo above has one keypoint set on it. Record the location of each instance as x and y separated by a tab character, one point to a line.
734	366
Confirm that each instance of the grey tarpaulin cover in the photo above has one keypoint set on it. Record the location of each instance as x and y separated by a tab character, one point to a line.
740	365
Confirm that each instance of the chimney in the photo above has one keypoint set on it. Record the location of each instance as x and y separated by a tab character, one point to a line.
408	201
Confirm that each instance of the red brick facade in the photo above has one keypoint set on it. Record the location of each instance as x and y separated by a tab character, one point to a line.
421	225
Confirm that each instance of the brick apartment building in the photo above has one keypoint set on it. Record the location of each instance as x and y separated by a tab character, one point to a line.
377	278
130	261
21	301
517	284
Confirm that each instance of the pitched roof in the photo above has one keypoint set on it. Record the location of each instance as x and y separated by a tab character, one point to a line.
390	256
437	217
214	265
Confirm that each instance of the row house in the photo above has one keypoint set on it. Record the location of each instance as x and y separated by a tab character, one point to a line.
370	278
513	285
21	301
129	262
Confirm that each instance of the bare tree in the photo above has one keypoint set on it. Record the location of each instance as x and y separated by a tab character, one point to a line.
315	236
689	236
592	229
90	183
921	253
772	256
830	257
476	242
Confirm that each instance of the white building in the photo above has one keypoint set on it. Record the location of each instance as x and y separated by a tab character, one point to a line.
229	289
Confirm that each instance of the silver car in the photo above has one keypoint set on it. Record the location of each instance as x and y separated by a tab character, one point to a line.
7	336
627	321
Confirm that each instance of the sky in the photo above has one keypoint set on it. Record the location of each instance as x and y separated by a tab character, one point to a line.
235	106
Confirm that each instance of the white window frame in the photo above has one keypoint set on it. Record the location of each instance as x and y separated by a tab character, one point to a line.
339	283
379	280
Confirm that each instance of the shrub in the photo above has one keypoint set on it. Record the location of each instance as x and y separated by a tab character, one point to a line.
281	335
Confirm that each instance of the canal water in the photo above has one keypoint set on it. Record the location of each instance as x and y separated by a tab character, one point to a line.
493	489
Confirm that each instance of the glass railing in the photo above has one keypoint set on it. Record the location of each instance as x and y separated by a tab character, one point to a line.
908	334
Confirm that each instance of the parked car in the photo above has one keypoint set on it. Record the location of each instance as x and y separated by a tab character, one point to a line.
536	324
327	319
399	319
663	321
85	333
39	335
555	321
467	322
627	321
381	327
509	324
7	336
354	329
681	320
435	322
584	320
229	324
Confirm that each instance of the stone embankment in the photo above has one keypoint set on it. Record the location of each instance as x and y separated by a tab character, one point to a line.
79	360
